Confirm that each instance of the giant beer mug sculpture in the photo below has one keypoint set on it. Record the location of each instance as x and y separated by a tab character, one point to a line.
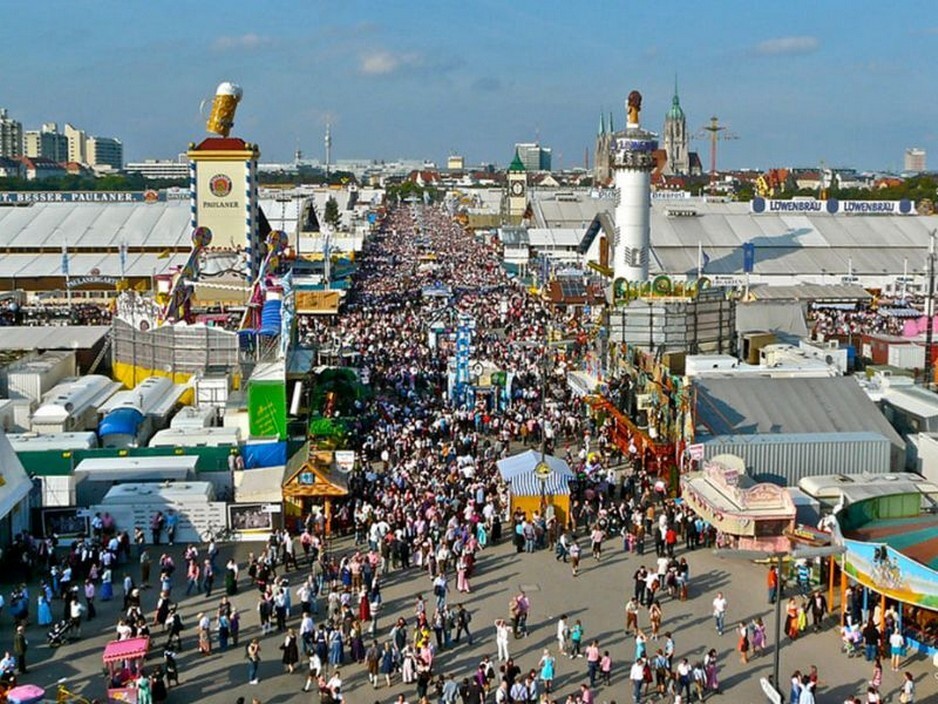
221	118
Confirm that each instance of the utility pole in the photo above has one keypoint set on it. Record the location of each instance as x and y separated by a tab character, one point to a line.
930	311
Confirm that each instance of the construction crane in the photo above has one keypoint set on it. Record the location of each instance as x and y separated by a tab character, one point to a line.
714	132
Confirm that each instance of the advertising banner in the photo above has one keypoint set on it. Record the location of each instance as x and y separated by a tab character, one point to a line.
891	573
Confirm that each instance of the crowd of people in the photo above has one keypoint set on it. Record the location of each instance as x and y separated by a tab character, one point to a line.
424	508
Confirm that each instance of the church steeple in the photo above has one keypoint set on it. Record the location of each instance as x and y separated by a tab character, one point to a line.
675	141
602	124
675	113
611	128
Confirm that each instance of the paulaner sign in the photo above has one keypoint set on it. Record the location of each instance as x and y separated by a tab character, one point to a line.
833	206
150	196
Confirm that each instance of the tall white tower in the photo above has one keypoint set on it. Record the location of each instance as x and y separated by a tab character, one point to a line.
632	163
328	142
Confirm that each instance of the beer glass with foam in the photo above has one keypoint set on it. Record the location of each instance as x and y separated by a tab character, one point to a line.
221	118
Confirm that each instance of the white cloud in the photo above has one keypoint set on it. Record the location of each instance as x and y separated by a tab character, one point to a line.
243	42
788	45
381	63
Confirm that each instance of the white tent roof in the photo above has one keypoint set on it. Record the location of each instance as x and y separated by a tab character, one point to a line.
16	483
259	485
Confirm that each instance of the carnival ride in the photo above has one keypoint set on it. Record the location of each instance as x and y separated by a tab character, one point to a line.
176	303
269	309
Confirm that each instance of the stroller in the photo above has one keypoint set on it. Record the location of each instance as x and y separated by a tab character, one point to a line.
57	635
852	641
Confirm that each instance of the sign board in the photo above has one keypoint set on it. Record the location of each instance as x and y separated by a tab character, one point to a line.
344	460
83	513
696	452
773	695
726	281
149	196
670	195
542	470
93	280
273	508
833	206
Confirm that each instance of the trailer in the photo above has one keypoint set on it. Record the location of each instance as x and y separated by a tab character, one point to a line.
197	437
33	377
195	417
73	405
131	417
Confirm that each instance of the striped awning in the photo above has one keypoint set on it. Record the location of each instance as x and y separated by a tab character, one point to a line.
530	485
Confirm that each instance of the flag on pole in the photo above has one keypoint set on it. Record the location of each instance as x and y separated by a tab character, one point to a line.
64	258
702	260
122	251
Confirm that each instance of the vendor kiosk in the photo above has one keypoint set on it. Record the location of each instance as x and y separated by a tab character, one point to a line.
123	660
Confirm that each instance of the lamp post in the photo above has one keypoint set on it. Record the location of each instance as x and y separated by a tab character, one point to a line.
776	558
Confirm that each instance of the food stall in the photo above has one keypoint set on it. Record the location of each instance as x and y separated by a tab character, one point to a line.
123	660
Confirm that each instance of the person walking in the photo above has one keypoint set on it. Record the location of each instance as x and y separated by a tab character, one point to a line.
593	656
637	678
574	552
576	639
563	635
870	639
772	581
547	666
501	639
907	691
631	615
654	616
896	645
20	646
291	651
463	618
254	660
742	644
719	612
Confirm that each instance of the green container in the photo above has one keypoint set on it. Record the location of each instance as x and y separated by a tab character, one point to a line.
267	409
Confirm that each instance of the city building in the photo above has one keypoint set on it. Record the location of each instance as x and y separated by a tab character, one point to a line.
104	152
77	150
11	136
456	162
533	156
11	168
675	138
914	160
602	159
39	168
46	142
153	169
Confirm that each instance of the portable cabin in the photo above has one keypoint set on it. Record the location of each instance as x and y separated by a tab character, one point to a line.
94	476
33	377
73	405
133	504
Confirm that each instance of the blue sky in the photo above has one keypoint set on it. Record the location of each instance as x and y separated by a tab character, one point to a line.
848	83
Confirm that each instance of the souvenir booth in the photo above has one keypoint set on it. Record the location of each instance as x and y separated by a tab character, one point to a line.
538	483
315	481
123	660
747	515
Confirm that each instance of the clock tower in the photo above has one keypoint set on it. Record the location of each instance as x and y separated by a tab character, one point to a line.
517	191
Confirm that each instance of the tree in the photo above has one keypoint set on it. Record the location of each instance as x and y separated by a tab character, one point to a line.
331	215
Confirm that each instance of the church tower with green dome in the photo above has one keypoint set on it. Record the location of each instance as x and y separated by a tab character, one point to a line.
675	138
517	190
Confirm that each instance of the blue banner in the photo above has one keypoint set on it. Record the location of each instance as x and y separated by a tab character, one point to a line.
749	257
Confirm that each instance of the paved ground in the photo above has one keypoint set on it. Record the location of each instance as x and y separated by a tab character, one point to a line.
596	597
